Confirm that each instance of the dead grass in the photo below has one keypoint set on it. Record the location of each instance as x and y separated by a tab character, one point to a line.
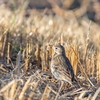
25	55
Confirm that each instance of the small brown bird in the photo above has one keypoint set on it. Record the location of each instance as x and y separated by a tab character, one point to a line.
61	67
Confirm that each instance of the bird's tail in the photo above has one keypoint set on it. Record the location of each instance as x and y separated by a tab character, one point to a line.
76	84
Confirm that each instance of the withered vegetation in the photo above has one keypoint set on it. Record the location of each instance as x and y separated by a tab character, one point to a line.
25	54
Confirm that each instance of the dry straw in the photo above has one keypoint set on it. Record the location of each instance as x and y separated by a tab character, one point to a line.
72	54
21	96
46	93
37	54
98	67
18	24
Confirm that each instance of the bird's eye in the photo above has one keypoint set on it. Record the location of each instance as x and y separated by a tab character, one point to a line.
56	48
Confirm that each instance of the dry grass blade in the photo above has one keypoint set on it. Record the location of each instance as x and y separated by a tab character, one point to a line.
18	62
81	67
52	90
4	43
71	49
8	53
93	64
82	95
44	60
8	85
98	67
37	54
71	93
86	47
46	93
62	83
61	40
1	67
47	57
96	94
21	96
32	94
84	73
27	61
73	56
13	90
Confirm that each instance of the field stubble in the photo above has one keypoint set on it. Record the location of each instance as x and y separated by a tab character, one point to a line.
25	56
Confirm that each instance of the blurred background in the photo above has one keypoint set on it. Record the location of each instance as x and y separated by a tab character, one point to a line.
80	8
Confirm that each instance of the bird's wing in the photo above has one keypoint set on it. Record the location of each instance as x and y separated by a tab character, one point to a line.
70	68
64	67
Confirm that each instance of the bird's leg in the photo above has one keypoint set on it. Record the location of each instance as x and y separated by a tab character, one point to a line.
59	90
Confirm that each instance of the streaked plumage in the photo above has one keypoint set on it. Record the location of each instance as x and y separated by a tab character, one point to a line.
61	67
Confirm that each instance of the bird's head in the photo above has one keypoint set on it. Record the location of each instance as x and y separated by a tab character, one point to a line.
59	49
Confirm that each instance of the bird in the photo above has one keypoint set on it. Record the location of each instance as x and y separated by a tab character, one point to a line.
61	67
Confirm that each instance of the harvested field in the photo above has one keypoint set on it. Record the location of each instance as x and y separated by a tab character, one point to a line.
25	54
